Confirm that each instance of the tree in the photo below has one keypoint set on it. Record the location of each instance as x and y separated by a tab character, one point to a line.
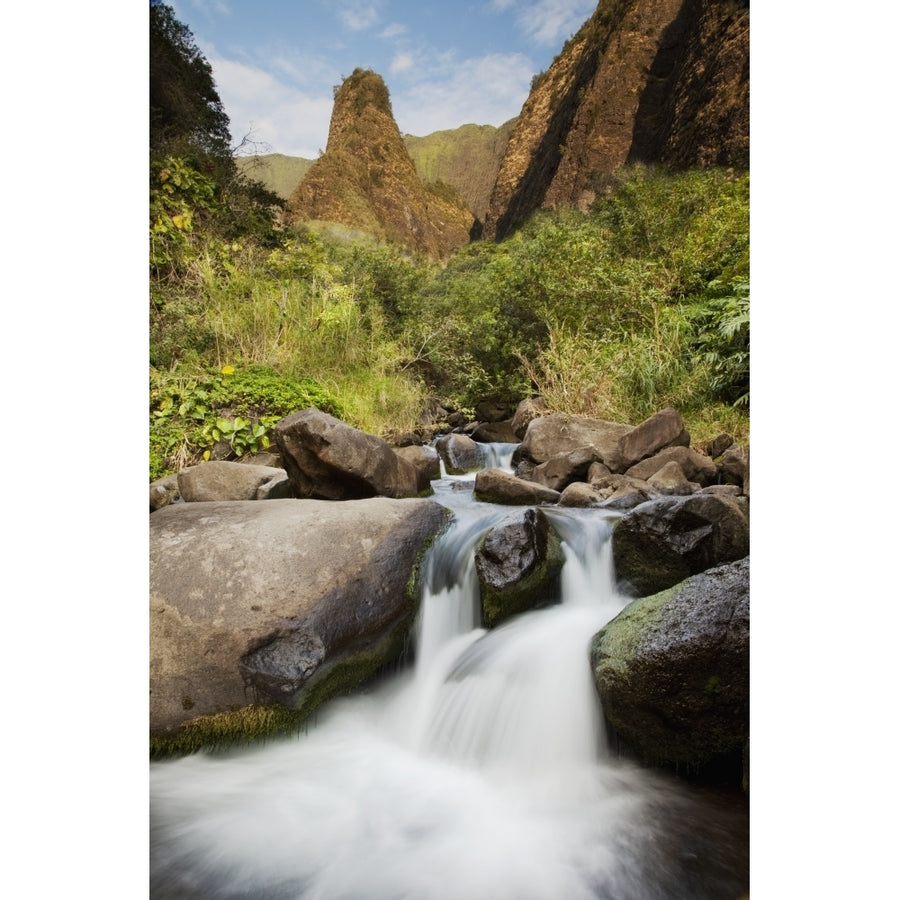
186	113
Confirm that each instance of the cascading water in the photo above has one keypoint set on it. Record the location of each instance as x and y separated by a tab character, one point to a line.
481	771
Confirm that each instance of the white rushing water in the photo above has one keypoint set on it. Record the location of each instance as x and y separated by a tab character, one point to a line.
481	771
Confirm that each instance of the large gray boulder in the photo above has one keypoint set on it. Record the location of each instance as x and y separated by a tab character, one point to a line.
518	564
559	433
327	459
673	671
284	602
661	542
222	480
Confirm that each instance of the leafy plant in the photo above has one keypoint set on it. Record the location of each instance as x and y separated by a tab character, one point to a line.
240	434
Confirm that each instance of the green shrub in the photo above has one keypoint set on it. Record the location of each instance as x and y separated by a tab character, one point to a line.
191	413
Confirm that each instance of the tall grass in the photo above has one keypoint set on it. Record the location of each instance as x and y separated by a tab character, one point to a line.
300	318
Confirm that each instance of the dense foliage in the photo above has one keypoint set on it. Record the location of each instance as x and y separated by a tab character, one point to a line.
640	303
195	184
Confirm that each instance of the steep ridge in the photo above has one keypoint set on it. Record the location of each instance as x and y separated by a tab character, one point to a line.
467	158
664	81
367	180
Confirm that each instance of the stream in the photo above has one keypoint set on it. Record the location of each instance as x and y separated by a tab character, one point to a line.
480	770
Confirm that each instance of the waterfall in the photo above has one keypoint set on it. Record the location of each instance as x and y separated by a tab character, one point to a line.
480	771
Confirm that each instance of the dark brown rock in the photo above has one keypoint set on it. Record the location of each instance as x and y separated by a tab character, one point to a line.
518	565
329	460
662	542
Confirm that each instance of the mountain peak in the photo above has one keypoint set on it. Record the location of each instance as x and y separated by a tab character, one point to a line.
367	180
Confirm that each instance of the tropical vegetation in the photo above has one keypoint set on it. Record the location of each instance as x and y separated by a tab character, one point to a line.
639	303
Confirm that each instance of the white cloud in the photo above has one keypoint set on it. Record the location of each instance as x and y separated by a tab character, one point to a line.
285	118
551	22
358	15
402	62
447	100
393	31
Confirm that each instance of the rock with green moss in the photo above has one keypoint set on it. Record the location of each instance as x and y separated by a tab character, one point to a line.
661	542
518	564
283	603
672	671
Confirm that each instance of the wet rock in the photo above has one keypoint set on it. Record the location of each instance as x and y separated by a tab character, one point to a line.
329	460
662	542
672	672
518	565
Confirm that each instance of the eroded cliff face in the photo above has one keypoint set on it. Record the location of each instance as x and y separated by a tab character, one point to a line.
654	81
367	180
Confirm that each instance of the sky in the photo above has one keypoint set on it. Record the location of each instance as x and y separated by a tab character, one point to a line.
446	63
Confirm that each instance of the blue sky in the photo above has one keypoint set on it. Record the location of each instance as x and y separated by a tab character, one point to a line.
446	63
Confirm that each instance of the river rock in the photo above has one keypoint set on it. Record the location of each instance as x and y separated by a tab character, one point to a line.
327	459
735	466
562	469
459	452
671	480
558	433
662	429
427	463
581	494
528	409
163	491
672	672
285	602
518	564
494	433
497	486
222	480
622	491
697	467
661	542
